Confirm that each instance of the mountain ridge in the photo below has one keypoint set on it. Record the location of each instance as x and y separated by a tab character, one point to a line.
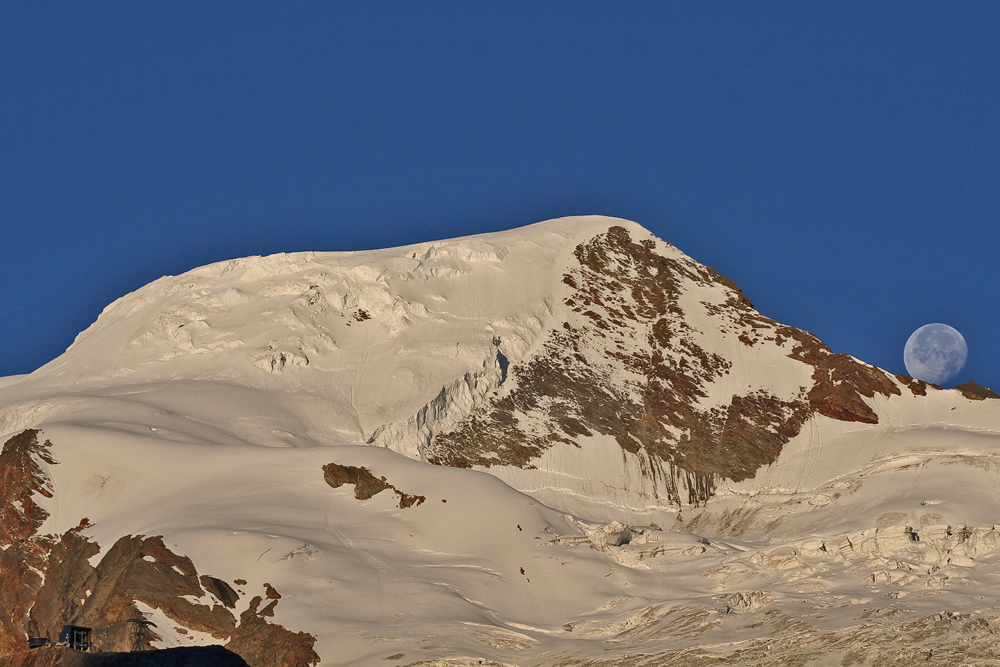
600	408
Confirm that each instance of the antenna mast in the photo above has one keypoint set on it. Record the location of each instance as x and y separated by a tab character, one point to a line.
140	636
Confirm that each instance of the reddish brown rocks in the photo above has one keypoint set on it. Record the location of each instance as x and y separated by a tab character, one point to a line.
262	643
917	387
839	380
222	591
627	296
23	558
974	391
751	434
21	478
142	569
365	483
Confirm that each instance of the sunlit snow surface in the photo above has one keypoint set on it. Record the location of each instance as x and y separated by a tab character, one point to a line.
202	408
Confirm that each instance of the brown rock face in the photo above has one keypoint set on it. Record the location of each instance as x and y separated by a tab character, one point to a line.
625	300
136	568
270	643
974	391
918	387
222	591
47	581
839	380
23	559
20	478
365	483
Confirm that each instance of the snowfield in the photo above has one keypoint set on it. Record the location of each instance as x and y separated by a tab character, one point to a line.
203	408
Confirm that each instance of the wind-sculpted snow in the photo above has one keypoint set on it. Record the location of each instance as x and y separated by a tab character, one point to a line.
635	467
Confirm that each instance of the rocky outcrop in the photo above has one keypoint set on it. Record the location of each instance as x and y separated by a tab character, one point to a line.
918	387
365	483
839	380
23	558
21	477
975	392
269	643
48	581
135	568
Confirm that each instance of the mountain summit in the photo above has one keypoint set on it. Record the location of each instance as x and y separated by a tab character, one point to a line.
458	439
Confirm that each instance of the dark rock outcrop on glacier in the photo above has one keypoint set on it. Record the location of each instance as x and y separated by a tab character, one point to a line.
365	483
48	581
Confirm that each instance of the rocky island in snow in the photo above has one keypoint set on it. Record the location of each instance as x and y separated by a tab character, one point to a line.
566	444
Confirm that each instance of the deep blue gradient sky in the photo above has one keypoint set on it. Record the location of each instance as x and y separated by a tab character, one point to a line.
841	164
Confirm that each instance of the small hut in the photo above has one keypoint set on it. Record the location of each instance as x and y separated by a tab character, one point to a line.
76	637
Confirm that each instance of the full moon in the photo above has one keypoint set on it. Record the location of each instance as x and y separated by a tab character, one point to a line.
935	353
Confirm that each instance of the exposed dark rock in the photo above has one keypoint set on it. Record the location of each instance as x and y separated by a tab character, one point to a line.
974	391
752	433
223	592
143	569
365	483
918	387
839	380
21	478
270	643
22	560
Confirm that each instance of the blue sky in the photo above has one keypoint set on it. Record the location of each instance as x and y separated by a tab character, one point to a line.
840	162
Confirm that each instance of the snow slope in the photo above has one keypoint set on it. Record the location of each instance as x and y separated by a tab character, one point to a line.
633	465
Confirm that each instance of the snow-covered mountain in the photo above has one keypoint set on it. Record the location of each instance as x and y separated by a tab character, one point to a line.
563	444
